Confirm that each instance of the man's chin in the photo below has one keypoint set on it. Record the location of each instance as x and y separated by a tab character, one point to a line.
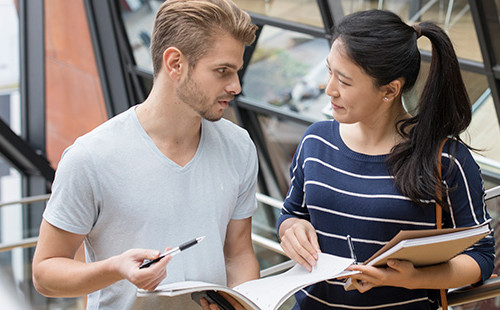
212	118
212	115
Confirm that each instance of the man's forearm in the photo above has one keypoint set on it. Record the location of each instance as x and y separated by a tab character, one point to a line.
241	269
64	277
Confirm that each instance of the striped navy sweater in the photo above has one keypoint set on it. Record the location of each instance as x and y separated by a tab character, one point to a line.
342	193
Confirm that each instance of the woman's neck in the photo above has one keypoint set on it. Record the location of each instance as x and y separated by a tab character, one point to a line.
377	137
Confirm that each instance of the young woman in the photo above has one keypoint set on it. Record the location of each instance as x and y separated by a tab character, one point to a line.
372	171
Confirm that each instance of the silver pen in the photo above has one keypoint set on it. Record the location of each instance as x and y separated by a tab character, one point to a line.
351	248
172	252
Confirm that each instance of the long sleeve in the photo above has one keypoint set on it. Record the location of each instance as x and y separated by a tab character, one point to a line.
462	177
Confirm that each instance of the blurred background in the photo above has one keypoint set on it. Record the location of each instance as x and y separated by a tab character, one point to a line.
66	66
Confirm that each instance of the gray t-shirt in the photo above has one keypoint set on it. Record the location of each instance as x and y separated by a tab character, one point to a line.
116	187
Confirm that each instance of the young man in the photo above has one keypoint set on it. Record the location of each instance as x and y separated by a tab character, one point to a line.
162	173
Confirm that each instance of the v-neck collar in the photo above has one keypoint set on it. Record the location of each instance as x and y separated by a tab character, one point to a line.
159	154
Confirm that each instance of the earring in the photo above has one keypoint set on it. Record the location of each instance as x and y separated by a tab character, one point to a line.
386	99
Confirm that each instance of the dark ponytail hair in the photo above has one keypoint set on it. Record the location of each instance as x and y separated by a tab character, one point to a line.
386	49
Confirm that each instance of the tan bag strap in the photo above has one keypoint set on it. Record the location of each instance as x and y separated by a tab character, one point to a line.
439	208
439	215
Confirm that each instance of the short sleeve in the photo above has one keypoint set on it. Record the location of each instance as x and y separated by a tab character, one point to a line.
73	204
246	202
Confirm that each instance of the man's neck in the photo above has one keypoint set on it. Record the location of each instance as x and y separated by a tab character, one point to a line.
174	128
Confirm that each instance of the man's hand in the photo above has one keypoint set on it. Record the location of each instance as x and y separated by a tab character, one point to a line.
300	242
55	252
148	278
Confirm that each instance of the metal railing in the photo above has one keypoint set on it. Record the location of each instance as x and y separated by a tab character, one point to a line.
28	242
256	239
490	168
26	200
489	289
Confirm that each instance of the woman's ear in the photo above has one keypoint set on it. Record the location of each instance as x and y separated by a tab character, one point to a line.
173	61
393	89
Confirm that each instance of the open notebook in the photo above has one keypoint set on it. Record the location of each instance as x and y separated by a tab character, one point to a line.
267	293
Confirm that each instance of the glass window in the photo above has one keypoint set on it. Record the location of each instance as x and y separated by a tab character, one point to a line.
461	29
476	84
484	131
282	138
15	263
11	227
453	16
12	270
305	12
138	18
288	70
456	19
9	51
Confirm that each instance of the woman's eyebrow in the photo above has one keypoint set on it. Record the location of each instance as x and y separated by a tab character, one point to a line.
342	75
338	72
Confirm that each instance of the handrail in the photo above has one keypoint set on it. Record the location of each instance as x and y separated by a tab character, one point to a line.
492	192
26	200
489	289
270	201
277	268
28	242
488	162
268	244
25	243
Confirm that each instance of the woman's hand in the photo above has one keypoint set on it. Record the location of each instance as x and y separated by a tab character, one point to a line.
397	273
299	241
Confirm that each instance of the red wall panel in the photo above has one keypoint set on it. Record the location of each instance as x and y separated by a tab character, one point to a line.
74	101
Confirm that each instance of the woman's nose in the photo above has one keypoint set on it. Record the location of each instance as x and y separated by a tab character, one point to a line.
331	88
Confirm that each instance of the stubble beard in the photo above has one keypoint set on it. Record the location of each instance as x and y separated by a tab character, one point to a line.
189	93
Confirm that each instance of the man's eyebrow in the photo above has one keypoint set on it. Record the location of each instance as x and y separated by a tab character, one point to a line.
231	66
338	72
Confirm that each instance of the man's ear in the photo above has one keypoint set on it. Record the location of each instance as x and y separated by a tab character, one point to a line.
173	62
393	89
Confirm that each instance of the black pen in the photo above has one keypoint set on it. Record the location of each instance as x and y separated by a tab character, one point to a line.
172	252
351	248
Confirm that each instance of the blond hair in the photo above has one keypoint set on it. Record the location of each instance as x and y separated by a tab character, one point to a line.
191	26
